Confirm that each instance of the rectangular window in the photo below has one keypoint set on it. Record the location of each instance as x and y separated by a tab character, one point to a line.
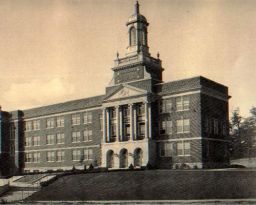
101	122
254	140
36	140
36	157
141	129
113	130
28	141
28	125
76	155
140	110
166	150
50	156
50	123
165	106
75	119
60	121
28	157
60	138
183	126
182	103
215	127
49	139
60	155
88	154
165	127
76	137
36	125
87	135
183	148
87	117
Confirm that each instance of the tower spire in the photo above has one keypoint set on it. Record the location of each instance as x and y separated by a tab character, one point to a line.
137	8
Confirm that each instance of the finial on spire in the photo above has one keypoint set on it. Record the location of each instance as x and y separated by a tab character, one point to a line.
137	8
158	55
117	55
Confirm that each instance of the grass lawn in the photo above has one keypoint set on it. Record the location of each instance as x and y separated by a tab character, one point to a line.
152	185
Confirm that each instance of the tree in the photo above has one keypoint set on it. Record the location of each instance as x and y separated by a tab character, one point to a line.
236	120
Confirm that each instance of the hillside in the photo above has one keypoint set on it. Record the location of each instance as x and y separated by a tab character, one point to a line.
151	185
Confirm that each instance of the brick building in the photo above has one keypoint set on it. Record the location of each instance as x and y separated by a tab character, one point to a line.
139	120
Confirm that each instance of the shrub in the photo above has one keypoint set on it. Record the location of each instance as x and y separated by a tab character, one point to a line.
184	166
131	166
149	166
91	167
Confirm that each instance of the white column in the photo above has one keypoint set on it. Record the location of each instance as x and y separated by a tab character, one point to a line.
135	122
121	123
104	124
149	121
108	126
146	120
117	123
131	121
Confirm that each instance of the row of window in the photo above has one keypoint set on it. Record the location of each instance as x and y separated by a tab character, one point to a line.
214	126
182	104
59	138
59	121
59	156
175	149
166	126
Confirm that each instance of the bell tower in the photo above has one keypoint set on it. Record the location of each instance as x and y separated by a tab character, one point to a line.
137	65
137	33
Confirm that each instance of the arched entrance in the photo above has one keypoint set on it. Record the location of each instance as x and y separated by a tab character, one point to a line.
110	159
138	157
123	158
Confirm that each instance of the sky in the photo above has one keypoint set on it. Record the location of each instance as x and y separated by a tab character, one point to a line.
53	51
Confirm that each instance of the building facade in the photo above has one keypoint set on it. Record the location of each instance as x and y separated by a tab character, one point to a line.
140	120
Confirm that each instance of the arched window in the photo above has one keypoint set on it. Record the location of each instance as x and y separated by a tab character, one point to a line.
132	36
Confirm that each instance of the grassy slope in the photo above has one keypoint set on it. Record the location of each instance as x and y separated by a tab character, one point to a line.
152	185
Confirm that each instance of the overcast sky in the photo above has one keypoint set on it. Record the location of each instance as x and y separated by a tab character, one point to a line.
58	50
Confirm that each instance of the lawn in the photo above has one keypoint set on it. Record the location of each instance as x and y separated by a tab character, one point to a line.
152	185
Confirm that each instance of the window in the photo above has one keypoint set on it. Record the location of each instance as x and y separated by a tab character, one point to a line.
49	139
88	154
75	119
224	131
182	103
166	150
50	123
87	117
36	140
76	137
28	141
132	36
183	148
60	121
36	157
141	129
50	157
183	126
28	157
254	140
76	155
29	126
215	127
36	125
87	135
165	106
165	127
60	138
60	155
101	122
113	129
140	110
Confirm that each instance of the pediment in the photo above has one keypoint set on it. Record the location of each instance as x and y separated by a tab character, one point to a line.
126	91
